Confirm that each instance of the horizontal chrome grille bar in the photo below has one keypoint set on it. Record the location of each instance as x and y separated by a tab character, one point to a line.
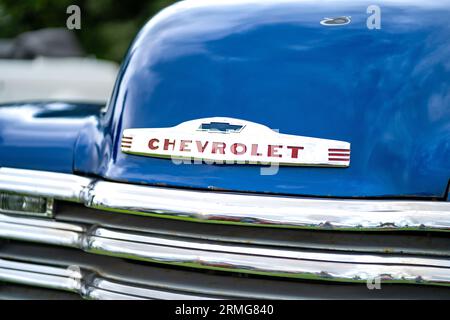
189	281
291	263
219	207
47	184
69	279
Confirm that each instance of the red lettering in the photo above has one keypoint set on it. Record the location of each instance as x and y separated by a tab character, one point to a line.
234	148
218	146
184	145
151	144
294	153
168	143
255	150
200	147
272	151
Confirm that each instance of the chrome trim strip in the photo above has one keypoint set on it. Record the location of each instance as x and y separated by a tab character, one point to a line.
291	263
323	268
68	279
104	235
98	294
220	207
41	231
43	183
271	211
39	276
110	286
36	222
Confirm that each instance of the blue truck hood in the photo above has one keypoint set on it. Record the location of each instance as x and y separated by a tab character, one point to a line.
385	91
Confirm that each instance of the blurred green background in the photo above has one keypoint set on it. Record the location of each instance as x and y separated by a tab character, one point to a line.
107	26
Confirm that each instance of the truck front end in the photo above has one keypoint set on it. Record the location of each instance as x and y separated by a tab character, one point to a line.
250	149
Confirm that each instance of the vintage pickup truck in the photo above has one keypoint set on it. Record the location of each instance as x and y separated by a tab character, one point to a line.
250	149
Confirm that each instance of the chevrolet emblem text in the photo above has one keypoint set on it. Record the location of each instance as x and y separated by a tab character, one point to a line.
227	140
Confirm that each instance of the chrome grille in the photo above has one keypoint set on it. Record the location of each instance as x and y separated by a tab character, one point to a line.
308	249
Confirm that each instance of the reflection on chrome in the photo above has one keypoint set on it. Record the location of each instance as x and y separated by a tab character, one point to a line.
217	255
86	285
220	207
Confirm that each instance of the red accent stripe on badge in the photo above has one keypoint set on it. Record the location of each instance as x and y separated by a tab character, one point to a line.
338	154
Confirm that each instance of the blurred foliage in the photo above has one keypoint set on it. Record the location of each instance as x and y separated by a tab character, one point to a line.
107	26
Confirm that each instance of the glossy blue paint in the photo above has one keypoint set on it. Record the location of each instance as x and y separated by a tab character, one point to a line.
387	92
42	136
